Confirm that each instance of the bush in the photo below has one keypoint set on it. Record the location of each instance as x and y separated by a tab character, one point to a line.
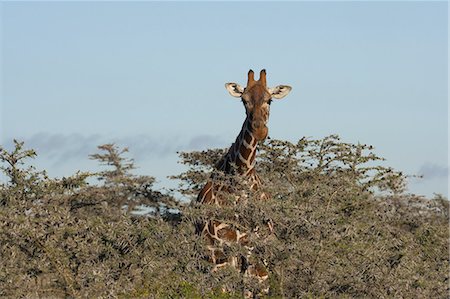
343	227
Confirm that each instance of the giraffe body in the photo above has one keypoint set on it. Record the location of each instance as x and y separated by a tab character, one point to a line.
241	157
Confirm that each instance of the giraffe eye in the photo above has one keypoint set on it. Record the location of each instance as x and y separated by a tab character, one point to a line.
246	102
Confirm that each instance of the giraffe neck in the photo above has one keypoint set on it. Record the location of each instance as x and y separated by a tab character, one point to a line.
242	152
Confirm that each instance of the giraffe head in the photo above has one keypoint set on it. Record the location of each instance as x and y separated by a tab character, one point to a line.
257	98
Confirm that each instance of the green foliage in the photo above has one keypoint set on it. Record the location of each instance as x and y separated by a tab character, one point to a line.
125	189
343	228
13	161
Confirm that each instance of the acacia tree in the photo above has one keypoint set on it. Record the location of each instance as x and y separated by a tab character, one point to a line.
335	233
343	224
130	190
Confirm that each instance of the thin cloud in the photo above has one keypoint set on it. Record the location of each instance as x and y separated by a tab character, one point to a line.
63	148
205	141
433	171
59	147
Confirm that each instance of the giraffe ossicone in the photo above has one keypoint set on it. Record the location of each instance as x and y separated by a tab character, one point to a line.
241	158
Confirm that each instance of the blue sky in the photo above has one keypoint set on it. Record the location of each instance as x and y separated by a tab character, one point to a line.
150	76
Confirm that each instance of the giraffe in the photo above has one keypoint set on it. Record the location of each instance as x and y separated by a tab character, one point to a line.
256	97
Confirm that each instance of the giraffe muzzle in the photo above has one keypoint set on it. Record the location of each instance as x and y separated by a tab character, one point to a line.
260	132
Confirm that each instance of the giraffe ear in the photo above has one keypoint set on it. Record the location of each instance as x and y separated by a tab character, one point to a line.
234	89
280	91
